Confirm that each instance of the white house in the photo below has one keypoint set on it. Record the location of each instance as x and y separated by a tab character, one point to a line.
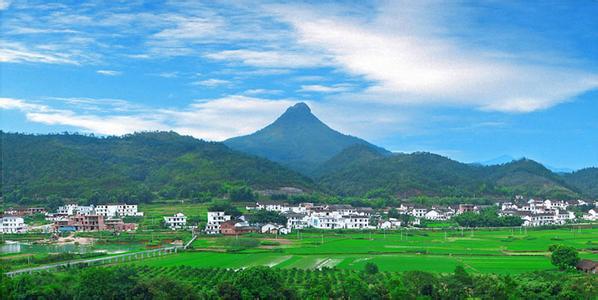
121	210
273	206
418	212
12	224
275	229
215	218
68	209
297	221
391	223
356	222
592	215
177	221
84	210
433	215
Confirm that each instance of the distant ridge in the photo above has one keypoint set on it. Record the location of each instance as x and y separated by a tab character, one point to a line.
297	139
503	159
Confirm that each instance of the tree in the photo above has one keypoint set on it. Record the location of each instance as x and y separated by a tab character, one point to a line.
564	257
393	213
224	206
53	202
371	268
242	193
264	216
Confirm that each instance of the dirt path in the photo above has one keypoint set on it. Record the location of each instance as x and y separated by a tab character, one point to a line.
71	239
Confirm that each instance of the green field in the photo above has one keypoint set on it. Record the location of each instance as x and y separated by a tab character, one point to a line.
481	251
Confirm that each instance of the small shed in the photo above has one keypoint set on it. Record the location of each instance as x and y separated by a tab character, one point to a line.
588	266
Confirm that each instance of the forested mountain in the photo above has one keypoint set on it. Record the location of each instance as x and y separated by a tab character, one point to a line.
356	172
585	180
297	139
139	167
355	155
68	165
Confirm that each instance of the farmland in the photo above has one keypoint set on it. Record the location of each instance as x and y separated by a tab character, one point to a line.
481	251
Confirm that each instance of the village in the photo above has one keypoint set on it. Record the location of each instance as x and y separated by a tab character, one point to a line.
110	217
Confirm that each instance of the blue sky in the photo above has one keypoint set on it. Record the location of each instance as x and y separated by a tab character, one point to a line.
467	79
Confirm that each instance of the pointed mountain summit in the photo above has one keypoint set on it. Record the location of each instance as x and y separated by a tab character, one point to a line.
297	139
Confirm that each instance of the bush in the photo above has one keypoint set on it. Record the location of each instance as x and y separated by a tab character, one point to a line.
371	268
564	257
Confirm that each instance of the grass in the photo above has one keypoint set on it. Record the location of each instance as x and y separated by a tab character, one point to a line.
487	251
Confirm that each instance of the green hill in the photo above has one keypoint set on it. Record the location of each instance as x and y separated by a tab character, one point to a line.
67	165
585	180
297	139
356	172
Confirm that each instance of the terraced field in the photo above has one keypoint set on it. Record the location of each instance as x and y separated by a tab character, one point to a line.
486	251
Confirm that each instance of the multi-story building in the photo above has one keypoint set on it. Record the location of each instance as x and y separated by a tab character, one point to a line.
297	221
418	212
106	210
68	209
81	223
356	222
215	219
121	210
12	224
178	221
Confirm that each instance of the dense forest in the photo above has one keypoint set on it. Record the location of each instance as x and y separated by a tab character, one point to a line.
146	166
134	167
143	282
358	170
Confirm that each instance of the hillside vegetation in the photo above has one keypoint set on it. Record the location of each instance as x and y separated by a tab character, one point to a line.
356	171
297	139
132	166
585	180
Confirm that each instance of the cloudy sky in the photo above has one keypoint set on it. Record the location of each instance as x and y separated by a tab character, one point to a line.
467	79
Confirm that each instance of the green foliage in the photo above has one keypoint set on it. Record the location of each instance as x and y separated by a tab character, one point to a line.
586	180
354	172
486	218
242	193
183	282
264	216
135	168
371	268
224	206
564	257
238	244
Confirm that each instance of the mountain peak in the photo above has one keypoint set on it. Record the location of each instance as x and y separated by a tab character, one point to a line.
297	139
298	110
299	107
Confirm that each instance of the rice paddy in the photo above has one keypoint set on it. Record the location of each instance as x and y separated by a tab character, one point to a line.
481	251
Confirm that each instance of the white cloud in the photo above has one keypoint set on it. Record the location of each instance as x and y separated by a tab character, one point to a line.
18	104
325	89
109	72
139	56
110	125
212	82
168	74
4	4
188	28
222	118
253	92
17	53
212	119
269	59
409	63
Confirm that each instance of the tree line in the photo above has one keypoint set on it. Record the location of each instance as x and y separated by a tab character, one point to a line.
184	282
